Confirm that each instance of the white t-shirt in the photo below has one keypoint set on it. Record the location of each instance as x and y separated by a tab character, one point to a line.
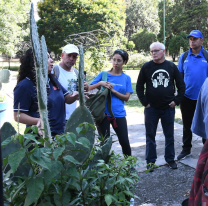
69	81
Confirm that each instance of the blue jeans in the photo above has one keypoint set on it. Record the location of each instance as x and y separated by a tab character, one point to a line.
152	116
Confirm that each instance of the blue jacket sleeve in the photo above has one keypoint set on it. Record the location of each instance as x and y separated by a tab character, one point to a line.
200	120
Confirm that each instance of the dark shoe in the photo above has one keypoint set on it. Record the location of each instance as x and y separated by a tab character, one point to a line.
183	155
150	167
172	165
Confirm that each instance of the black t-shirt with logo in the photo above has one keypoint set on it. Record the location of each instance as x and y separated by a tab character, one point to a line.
160	80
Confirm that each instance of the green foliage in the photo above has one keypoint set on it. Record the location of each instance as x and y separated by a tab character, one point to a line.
176	43
60	18
137	60
141	14
12	22
183	15
51	182
142	40
131	45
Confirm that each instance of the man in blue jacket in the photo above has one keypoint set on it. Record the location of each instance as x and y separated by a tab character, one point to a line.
194	69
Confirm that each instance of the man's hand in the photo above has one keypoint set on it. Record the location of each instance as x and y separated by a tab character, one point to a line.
147	106
86	86
172	104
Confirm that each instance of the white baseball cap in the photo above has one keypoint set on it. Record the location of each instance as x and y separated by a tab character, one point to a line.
70	48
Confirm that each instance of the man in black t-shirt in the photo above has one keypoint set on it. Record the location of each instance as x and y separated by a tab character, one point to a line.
160	77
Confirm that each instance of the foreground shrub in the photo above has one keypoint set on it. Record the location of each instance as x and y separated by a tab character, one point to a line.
49	176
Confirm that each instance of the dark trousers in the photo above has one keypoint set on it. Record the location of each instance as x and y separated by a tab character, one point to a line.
121	131
187	107
152	116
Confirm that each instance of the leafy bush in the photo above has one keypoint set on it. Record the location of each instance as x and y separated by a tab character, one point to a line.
52	177
137	60
142	40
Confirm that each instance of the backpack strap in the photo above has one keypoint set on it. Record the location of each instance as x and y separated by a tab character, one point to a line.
104	78
205	54
185	55
112	118
56	70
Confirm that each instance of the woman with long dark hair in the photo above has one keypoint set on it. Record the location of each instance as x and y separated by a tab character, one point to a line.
25	94
120	85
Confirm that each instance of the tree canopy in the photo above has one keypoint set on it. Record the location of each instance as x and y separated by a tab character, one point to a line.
13	17
141	14
183	15
176	43
60	18
142	40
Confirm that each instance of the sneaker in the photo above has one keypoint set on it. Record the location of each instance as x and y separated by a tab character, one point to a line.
150	167
183	155
172	165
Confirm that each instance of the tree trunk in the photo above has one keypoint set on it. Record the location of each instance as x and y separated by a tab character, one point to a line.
173	57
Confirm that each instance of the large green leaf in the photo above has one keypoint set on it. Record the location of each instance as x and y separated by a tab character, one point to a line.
108	199
71	159
55	170
15	158
71	137
35	187
31	137
57	152
66	198
84	141
43	161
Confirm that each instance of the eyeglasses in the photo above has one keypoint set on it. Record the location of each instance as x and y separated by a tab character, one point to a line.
155	51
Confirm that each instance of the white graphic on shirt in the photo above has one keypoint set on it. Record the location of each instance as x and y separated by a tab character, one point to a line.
160	77
72	84
117	84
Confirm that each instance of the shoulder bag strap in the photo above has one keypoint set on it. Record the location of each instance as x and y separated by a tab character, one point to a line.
205	54
56	71
185	55
105	78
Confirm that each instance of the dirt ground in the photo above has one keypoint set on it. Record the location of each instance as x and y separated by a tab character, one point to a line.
164	186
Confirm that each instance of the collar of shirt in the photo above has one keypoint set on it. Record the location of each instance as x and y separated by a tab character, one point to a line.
192	54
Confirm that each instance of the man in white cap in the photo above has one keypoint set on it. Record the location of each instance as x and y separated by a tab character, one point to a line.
67	74
194	69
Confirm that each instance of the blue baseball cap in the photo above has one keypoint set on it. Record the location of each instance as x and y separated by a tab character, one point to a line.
195	33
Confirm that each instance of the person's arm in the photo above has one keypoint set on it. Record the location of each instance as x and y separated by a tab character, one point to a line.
124	97
26	119
101	83
69	99
140	87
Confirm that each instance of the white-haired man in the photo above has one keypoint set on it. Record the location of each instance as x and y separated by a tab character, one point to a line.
68	75
159	101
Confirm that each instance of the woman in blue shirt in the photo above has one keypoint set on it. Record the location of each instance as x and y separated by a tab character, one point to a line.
25	94
121	89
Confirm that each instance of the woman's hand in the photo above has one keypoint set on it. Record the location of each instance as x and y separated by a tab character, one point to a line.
107	85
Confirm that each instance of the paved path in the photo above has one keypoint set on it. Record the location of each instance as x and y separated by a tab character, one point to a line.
137	139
